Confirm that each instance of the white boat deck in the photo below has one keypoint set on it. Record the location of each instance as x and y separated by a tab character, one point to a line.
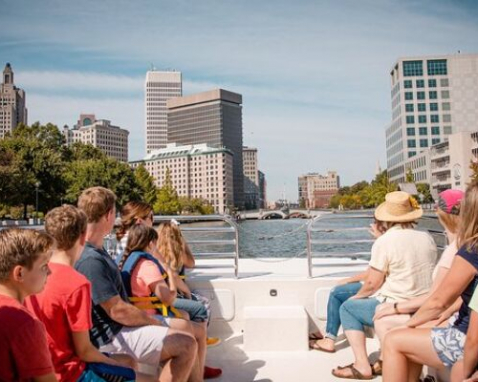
257	278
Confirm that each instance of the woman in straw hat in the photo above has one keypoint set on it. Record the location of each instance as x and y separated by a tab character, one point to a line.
388	316
405	350
401	265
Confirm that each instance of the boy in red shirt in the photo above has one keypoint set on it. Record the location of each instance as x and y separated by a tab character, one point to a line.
65	304
24	256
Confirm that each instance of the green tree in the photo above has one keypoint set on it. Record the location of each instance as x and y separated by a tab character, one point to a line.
167	202
106	172
195	206
335	201
381	186
302	203
146	184
424	190
30	155
409	178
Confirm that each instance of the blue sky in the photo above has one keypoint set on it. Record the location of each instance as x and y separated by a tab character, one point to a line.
313	74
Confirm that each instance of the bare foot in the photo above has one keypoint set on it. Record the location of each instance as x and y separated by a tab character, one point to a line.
325	344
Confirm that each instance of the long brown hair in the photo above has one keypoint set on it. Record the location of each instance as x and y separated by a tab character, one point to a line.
468	229
171	245
139	237
130	212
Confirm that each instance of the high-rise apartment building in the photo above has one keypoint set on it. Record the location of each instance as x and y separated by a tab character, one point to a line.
215	118
100	133
432	97
262	190
159	87
197	171
251	178
12	103
315	190
450	162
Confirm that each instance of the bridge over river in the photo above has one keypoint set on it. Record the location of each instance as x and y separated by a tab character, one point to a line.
295	213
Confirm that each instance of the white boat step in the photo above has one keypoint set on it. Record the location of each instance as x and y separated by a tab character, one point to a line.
275	328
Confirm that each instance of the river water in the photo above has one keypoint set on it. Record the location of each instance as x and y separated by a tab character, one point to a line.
288	238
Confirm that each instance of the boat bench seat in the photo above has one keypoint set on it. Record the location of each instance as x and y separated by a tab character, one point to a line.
275	328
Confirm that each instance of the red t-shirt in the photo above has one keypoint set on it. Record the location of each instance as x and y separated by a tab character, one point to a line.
23	345
64	307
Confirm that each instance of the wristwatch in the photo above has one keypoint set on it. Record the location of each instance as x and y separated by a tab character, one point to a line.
395	307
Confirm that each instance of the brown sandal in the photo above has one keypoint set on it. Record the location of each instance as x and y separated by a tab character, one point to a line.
377	367
355	373
316	335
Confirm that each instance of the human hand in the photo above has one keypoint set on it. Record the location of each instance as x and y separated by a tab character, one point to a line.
383	310
374	231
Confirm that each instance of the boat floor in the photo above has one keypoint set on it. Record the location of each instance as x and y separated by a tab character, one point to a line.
255	278
306	366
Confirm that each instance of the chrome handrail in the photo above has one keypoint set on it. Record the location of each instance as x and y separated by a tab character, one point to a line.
334	216
353	255
209	255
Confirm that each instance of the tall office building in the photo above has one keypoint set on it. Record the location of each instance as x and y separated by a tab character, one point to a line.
159	87
262	190
432	97
12	103
251	178
100	133
215	118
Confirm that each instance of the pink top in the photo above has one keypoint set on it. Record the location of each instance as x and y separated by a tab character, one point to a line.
144	274
446	258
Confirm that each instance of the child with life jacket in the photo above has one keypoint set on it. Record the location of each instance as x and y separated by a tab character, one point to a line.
151	286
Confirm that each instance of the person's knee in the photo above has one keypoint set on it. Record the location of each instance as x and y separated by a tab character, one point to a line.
180	344
391	340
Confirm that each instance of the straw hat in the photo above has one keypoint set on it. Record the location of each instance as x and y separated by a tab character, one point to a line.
398	207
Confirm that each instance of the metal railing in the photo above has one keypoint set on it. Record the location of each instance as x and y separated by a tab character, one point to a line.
334	217
438	234
231	228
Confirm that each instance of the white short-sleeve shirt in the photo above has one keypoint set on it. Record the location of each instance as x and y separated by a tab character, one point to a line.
407	257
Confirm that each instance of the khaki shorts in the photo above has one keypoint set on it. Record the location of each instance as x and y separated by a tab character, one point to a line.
143	343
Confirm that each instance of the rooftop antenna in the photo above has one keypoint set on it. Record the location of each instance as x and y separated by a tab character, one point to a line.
153	68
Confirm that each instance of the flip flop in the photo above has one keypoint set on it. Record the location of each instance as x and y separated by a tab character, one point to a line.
313	345
316	336
355	374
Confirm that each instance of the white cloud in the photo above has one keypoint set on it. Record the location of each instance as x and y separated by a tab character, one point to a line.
45	81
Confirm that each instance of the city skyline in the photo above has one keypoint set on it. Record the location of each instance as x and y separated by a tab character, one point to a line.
315	81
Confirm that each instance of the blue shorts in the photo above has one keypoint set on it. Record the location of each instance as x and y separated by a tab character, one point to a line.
102	372
449	344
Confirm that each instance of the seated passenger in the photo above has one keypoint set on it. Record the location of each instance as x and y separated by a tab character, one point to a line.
174	252
132	213
405	350
466	369
144	276
388	315
64	306
401	266
344	289
24	355
118	326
